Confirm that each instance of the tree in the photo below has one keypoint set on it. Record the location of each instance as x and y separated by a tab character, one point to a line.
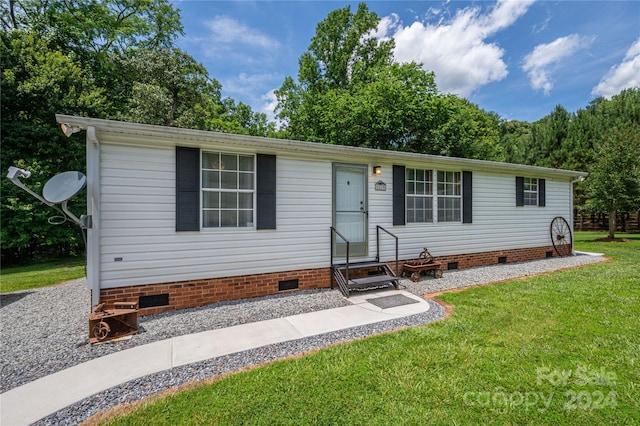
515	139
548	137
343	55
163	86
90	26
240	119
614	181
350	92
36	83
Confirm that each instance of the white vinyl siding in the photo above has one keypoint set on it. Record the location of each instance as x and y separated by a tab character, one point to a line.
137	222
497	223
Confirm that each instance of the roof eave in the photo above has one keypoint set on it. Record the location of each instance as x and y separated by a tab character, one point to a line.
197	137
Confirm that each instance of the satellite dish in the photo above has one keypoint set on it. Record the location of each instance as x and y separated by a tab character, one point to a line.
63	187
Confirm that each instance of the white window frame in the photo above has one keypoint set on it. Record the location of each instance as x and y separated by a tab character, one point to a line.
439	190
244	189
419	192
449	193
531	188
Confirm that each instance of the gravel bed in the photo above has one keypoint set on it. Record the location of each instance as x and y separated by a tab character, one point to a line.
45	330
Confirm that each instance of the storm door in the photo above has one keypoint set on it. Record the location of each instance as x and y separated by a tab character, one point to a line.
350	208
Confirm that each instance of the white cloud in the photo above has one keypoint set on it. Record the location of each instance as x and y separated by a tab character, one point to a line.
456	48
622	76
269	105
226	30
540	62
249	84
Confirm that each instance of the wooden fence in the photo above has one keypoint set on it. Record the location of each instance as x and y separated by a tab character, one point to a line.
627	222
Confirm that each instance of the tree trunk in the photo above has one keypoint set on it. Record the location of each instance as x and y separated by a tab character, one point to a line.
612	224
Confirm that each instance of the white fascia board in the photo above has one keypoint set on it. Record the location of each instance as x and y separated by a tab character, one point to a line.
146	134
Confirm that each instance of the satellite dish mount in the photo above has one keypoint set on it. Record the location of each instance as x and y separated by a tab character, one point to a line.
57	191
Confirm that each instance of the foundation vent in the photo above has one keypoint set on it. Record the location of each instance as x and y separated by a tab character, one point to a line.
154	300
452	265
502	259
288	285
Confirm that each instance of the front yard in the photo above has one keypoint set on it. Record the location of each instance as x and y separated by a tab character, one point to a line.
561	348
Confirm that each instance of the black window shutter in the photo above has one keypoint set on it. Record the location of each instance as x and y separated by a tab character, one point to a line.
266	191
519	191
187	189
467	192
542	193
398	196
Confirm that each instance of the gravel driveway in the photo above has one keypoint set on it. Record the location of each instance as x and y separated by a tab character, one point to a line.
46	330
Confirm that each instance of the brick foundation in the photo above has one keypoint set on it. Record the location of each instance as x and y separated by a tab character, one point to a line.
192	293
491	257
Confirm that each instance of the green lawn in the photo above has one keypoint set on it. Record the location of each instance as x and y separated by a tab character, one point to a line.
41	274
561	348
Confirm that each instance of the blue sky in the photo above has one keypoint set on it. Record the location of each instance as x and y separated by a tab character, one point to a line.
518	58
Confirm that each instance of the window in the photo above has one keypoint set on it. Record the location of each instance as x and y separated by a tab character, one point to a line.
530	191
419	195
227	190
449	197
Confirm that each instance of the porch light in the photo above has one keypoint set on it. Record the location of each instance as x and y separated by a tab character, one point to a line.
377	170
69	129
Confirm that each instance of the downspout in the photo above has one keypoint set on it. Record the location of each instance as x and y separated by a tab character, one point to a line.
93	210
572	221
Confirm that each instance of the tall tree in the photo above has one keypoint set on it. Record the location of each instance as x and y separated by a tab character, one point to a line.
515	138
36	83
614	182
96	26
548	138
164	86
342	55
350	92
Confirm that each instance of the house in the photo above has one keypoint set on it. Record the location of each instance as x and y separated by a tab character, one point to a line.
184	218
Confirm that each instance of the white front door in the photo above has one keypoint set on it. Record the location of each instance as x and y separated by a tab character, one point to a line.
350	208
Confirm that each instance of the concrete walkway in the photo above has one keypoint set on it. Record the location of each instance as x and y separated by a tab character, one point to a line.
31	402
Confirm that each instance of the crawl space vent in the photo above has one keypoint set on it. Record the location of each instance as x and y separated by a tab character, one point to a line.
287	285
153	301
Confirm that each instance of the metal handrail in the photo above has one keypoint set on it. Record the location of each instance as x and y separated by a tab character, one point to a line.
378	228
334	230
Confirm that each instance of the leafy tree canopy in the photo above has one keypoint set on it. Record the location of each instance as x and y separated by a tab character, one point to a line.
107	59
96	26
614	182
350	92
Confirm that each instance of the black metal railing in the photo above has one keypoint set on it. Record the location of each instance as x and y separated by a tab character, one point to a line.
335	231
378	228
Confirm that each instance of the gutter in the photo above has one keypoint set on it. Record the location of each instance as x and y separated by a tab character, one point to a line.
171	136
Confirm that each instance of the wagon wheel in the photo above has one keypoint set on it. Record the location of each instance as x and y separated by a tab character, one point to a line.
101	330
437	273
561	236
415	277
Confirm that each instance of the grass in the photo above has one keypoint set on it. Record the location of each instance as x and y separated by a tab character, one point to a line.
561	348
43	274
